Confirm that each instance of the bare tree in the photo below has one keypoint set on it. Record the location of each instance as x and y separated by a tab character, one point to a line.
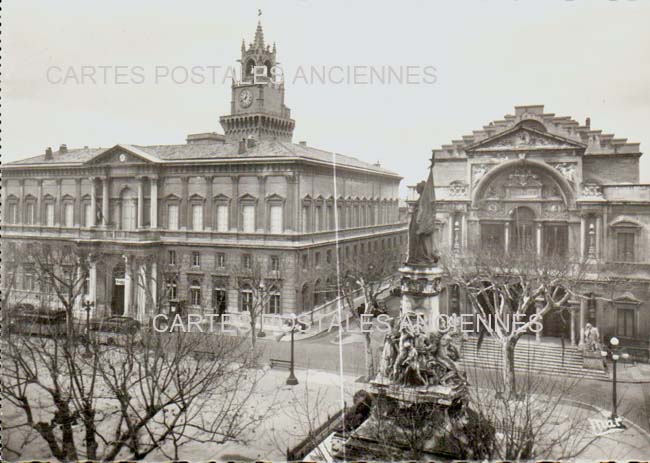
511	294
159	286
61	269
367	275
258	281
129	401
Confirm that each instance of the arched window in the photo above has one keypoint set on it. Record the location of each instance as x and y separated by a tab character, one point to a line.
250	64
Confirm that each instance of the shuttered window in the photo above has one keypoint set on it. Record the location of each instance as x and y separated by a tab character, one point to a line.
625	247
172	217
197	217
248	213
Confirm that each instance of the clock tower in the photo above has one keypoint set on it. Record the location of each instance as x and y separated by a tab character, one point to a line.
257	108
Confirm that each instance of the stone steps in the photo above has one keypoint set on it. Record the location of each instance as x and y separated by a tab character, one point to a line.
542	358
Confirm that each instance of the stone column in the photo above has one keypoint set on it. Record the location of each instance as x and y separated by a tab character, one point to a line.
105	201
583	316
39	204
93	282
140	219
538	335
539	239
154	287
57	207
21	202
128	284
261	205
77	203
506	237
573	326
463	229
234	204
141	291
93	203
599	241
583	232
209	204
153	202
184	207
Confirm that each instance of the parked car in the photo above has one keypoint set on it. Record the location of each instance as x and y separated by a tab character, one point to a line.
115	330
25	319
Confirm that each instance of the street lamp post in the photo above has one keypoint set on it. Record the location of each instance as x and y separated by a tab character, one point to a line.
88	306
614	422
292	380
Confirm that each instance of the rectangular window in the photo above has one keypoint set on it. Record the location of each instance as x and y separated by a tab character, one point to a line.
625	247
248	213
196	258
220	260
275	263
49	214
195	294
274	303
68	215
222	218
12	213
318	218
492	237
246	300
30	214
328	256
88	217
247	261
171	257
276	219
625	322
317	259
197	217
172	217
172	291
305	219
304	261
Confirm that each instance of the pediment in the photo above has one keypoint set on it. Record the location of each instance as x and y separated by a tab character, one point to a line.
522	139
123	154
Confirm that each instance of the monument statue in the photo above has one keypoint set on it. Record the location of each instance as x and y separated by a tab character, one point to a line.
423	224
590	339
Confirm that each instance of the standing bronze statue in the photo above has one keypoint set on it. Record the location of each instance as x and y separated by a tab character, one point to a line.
422	226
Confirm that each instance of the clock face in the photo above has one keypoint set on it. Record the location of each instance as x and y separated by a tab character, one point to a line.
245	98
122	157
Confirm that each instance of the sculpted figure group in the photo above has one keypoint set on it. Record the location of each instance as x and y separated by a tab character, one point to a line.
413	357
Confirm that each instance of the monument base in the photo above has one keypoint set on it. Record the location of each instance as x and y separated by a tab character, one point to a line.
593	360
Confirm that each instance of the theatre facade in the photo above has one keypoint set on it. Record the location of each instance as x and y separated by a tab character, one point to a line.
211	208
562	189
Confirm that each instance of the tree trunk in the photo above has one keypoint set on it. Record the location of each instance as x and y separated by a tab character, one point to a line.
508	353
370	361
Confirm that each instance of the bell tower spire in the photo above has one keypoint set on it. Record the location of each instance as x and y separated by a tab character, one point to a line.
257	108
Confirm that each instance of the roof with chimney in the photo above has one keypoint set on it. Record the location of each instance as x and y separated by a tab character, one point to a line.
216	152
564	130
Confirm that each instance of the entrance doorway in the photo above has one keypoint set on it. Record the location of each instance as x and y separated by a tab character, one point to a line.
117	299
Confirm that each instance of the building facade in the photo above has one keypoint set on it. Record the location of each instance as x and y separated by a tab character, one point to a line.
210	208
566	190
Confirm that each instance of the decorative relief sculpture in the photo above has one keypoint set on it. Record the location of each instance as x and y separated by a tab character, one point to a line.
592	190
478	172
567	169
457	189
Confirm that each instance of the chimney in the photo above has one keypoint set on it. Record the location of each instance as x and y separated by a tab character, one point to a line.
63	148
302	143
48	153
588	122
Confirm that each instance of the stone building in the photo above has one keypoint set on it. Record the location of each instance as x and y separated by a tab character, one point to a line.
565	189
210	207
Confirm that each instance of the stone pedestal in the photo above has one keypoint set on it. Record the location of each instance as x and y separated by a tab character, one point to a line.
420	287
592	360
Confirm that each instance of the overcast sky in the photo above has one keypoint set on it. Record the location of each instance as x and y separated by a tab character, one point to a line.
578	58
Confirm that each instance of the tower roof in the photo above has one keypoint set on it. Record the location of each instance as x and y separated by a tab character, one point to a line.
259	36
